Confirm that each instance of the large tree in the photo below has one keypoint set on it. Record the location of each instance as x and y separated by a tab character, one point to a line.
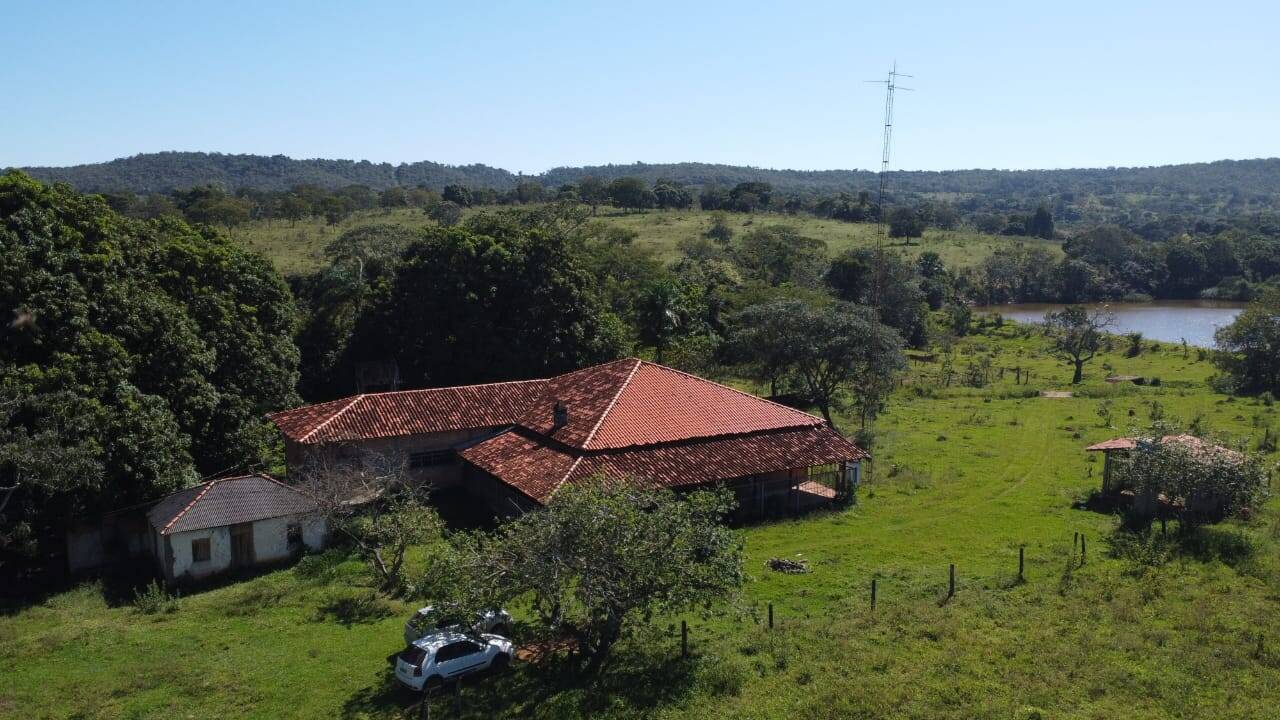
151	349
501	297
780	254
1075	334
836	352
886	281
599	560
1249	348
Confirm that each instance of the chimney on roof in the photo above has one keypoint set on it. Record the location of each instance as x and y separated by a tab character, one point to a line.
559	416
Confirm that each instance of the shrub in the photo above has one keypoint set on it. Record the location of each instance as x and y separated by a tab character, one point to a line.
153	599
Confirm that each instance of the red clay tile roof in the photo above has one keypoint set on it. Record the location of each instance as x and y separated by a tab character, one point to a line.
227	501
410	412
537	469
626	419
619	404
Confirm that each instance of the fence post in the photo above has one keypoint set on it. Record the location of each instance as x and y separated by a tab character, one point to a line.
457	697
1082	549
1021	561
951	583
873	593
684	639
770	616
1075	541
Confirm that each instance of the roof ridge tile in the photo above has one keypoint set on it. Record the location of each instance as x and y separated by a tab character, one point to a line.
622	386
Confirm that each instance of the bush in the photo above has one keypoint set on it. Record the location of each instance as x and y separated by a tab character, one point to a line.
154	598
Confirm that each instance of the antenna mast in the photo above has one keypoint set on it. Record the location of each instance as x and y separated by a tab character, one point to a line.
890	86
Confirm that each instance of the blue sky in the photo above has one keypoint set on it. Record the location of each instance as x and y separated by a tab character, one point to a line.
528	86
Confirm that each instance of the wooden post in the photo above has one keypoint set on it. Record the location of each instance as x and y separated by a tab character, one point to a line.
1075	541
457	697
684	639
1021	561
951	584
1082	550
1162	525
770	616
873	593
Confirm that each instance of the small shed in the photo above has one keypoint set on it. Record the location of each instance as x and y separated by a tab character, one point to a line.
232	523
1147	504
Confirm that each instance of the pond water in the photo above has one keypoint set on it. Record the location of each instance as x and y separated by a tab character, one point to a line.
1163	320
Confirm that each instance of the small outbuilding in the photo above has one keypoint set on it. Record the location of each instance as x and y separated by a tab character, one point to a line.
232	523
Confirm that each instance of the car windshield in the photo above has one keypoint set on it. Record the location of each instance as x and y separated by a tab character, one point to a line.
413	655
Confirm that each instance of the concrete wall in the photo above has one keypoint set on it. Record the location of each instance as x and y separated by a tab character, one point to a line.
270	544
182	564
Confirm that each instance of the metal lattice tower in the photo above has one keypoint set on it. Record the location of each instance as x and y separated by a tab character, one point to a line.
890	87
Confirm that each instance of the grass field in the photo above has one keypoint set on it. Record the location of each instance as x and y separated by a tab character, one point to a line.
298	247
962	475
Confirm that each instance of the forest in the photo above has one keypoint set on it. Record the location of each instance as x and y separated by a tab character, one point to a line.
1157	202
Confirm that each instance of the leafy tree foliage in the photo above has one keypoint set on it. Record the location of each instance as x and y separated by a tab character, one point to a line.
886	281
1040	224
497	298
1211	481
631	193
599	560
1076	335
778	254
593	191
1249	348
838	352
150	351
669	194
904	222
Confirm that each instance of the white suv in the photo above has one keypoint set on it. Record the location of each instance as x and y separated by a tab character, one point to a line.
431	619
439	657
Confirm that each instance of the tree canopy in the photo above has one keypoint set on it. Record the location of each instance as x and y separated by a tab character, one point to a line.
500	297
147	352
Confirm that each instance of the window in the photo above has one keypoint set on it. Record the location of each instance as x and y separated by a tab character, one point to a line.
293	535
200	550
453	651
431	458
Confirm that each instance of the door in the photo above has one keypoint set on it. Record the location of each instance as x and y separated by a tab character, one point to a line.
242	545
459	658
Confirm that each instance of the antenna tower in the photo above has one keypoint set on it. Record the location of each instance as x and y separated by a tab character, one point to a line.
890	87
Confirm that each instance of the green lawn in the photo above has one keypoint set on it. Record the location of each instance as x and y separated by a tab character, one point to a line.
298	247
962	475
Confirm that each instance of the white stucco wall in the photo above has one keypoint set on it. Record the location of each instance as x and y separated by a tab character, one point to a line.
315	532
219	552
270	540
270	544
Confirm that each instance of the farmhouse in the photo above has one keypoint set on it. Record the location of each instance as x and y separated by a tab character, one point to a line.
231	523
511	445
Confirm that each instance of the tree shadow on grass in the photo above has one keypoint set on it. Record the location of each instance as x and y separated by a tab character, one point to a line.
639	681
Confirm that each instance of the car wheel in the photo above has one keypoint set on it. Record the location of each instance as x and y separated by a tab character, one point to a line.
500	662
433	683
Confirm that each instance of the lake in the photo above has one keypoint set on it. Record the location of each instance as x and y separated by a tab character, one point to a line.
1163	320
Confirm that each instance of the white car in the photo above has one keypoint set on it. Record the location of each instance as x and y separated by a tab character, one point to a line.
431	661
431	619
